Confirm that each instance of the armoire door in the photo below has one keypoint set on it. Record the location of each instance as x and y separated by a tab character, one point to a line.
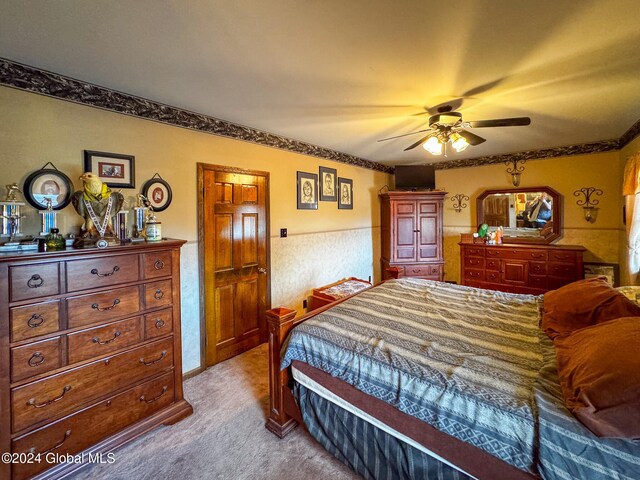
236	280
428	231
404	237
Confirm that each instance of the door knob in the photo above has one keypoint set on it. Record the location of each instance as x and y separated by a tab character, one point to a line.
262	270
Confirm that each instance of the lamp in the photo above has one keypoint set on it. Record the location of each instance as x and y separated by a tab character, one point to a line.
515	171
436	143
433	146
590	210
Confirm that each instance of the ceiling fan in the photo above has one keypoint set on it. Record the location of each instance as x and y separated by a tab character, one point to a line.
447	126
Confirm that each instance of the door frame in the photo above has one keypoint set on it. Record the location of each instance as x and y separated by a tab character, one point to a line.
202	168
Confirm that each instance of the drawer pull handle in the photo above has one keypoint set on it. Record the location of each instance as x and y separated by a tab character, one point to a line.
95	272
537	255
95	306
158	295
164	354
416	270
151	400
493	253
159	323
159	265
106	342
67	434
32	402
36	359
36	281
35	321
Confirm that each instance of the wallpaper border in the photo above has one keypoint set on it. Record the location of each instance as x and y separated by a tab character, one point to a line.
32	79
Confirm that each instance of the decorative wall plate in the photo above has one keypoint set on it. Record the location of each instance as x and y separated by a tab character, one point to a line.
158	192
48	184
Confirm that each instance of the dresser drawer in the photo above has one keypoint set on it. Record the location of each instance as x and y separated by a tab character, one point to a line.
473	251
101	307
97	341
563	256
73	434
61	394
474	262
492	276
517	254
565	270
158	294
101	272
417	271
492	264
35	358
158	323
536	281
34	320
537	268
477	275
157	264
33	281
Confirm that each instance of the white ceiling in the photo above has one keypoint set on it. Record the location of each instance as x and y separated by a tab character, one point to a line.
344	73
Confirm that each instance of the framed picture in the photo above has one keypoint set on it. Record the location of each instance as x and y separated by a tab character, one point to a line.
609	270
345	193
114	169
307	191
328	178
48	186
158	192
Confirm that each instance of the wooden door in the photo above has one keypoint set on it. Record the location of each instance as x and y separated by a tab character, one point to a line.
428	231
515	272
235	247
404	238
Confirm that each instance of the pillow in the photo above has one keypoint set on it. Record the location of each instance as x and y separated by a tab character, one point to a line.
599	370
583	303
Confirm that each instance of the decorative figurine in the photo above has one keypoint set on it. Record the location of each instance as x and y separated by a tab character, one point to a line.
139	226
97	204
12	189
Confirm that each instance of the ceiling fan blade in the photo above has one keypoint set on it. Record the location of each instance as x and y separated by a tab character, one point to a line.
404	135
419	142
472	138
500	122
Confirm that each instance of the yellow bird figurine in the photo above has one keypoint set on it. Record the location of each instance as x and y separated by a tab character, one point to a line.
97	204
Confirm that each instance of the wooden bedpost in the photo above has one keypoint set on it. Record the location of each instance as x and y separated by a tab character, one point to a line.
279	321
393	272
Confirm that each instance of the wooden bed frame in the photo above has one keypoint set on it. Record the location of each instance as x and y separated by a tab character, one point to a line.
284	414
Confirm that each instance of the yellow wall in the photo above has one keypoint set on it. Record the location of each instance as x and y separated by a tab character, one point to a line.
564	174
39	129
322	247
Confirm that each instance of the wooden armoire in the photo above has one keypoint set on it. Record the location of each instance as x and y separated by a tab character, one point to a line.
412	233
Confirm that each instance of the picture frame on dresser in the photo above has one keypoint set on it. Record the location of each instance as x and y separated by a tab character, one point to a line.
611	271
115	169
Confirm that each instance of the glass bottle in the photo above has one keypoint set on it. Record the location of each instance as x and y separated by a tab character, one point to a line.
54	240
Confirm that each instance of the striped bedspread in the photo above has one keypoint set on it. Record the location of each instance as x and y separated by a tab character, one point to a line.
473	363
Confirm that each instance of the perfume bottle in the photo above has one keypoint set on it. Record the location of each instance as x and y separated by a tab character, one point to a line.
54	240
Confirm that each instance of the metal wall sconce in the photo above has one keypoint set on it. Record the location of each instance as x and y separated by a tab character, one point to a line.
458	200
589	205
515	171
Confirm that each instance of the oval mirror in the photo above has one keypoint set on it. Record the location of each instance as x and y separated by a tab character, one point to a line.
526	215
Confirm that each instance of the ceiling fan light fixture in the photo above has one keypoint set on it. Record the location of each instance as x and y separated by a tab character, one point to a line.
433	146
458	142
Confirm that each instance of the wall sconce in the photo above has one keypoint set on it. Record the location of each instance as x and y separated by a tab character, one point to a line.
515	171
459	198
589	205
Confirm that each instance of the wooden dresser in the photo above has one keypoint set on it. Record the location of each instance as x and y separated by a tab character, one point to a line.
91	355
411	227
520	268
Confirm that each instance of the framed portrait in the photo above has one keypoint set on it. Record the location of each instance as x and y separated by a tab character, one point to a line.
114	169
158	192
345	193
609	270
307	188
328	184
48	186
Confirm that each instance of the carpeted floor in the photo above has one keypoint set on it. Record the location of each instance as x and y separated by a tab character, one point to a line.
225	437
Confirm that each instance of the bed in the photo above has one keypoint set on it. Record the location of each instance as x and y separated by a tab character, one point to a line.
422	379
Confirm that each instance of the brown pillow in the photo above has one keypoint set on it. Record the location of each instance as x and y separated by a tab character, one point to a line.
599	370
583	303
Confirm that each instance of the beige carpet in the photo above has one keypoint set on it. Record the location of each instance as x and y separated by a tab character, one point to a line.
225	437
